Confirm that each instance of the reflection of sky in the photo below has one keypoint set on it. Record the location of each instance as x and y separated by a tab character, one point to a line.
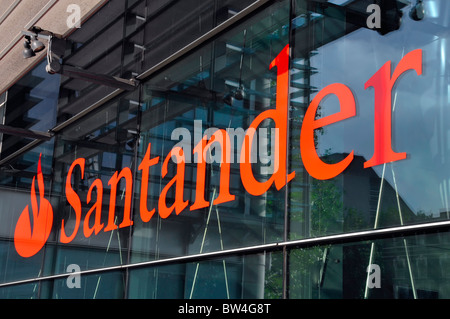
419	126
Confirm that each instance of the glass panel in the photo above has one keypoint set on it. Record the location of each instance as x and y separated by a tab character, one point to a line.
17	179
93	169
182	22
24	291
246	277
126	38
106	285
398	171
29	104
403	267
202	206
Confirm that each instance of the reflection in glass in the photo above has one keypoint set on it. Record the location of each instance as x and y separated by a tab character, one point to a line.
411	267
413	190
108	285
30	104
246	277
224	84
194	98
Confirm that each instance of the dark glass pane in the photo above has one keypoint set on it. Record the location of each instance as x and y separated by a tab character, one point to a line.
246	277
393	268
106	285
24	291
29	104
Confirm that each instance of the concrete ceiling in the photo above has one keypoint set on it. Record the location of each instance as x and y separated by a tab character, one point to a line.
20	15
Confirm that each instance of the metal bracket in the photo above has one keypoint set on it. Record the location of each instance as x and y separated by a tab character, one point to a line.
78	73
55	52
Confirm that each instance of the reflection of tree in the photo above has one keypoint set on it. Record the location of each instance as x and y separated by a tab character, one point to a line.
304	275
324	201
353	220
305	264
274	277
326	207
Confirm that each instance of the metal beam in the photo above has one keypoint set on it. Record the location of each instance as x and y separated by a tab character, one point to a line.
5	129
108	80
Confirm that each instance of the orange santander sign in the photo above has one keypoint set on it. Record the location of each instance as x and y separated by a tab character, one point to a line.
33	229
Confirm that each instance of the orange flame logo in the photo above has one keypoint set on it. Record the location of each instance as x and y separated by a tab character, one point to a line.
31	234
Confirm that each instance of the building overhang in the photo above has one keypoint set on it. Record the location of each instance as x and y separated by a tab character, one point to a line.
17	16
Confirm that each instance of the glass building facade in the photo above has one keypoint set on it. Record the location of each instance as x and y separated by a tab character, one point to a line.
154	192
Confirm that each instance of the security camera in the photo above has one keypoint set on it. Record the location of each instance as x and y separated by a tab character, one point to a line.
53	67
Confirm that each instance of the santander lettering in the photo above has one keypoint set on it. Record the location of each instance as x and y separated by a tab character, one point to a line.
30	239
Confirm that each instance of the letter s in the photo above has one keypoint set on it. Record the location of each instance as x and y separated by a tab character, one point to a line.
74	201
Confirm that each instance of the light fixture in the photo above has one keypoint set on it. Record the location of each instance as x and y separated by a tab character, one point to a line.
237	94
37	45
27	51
